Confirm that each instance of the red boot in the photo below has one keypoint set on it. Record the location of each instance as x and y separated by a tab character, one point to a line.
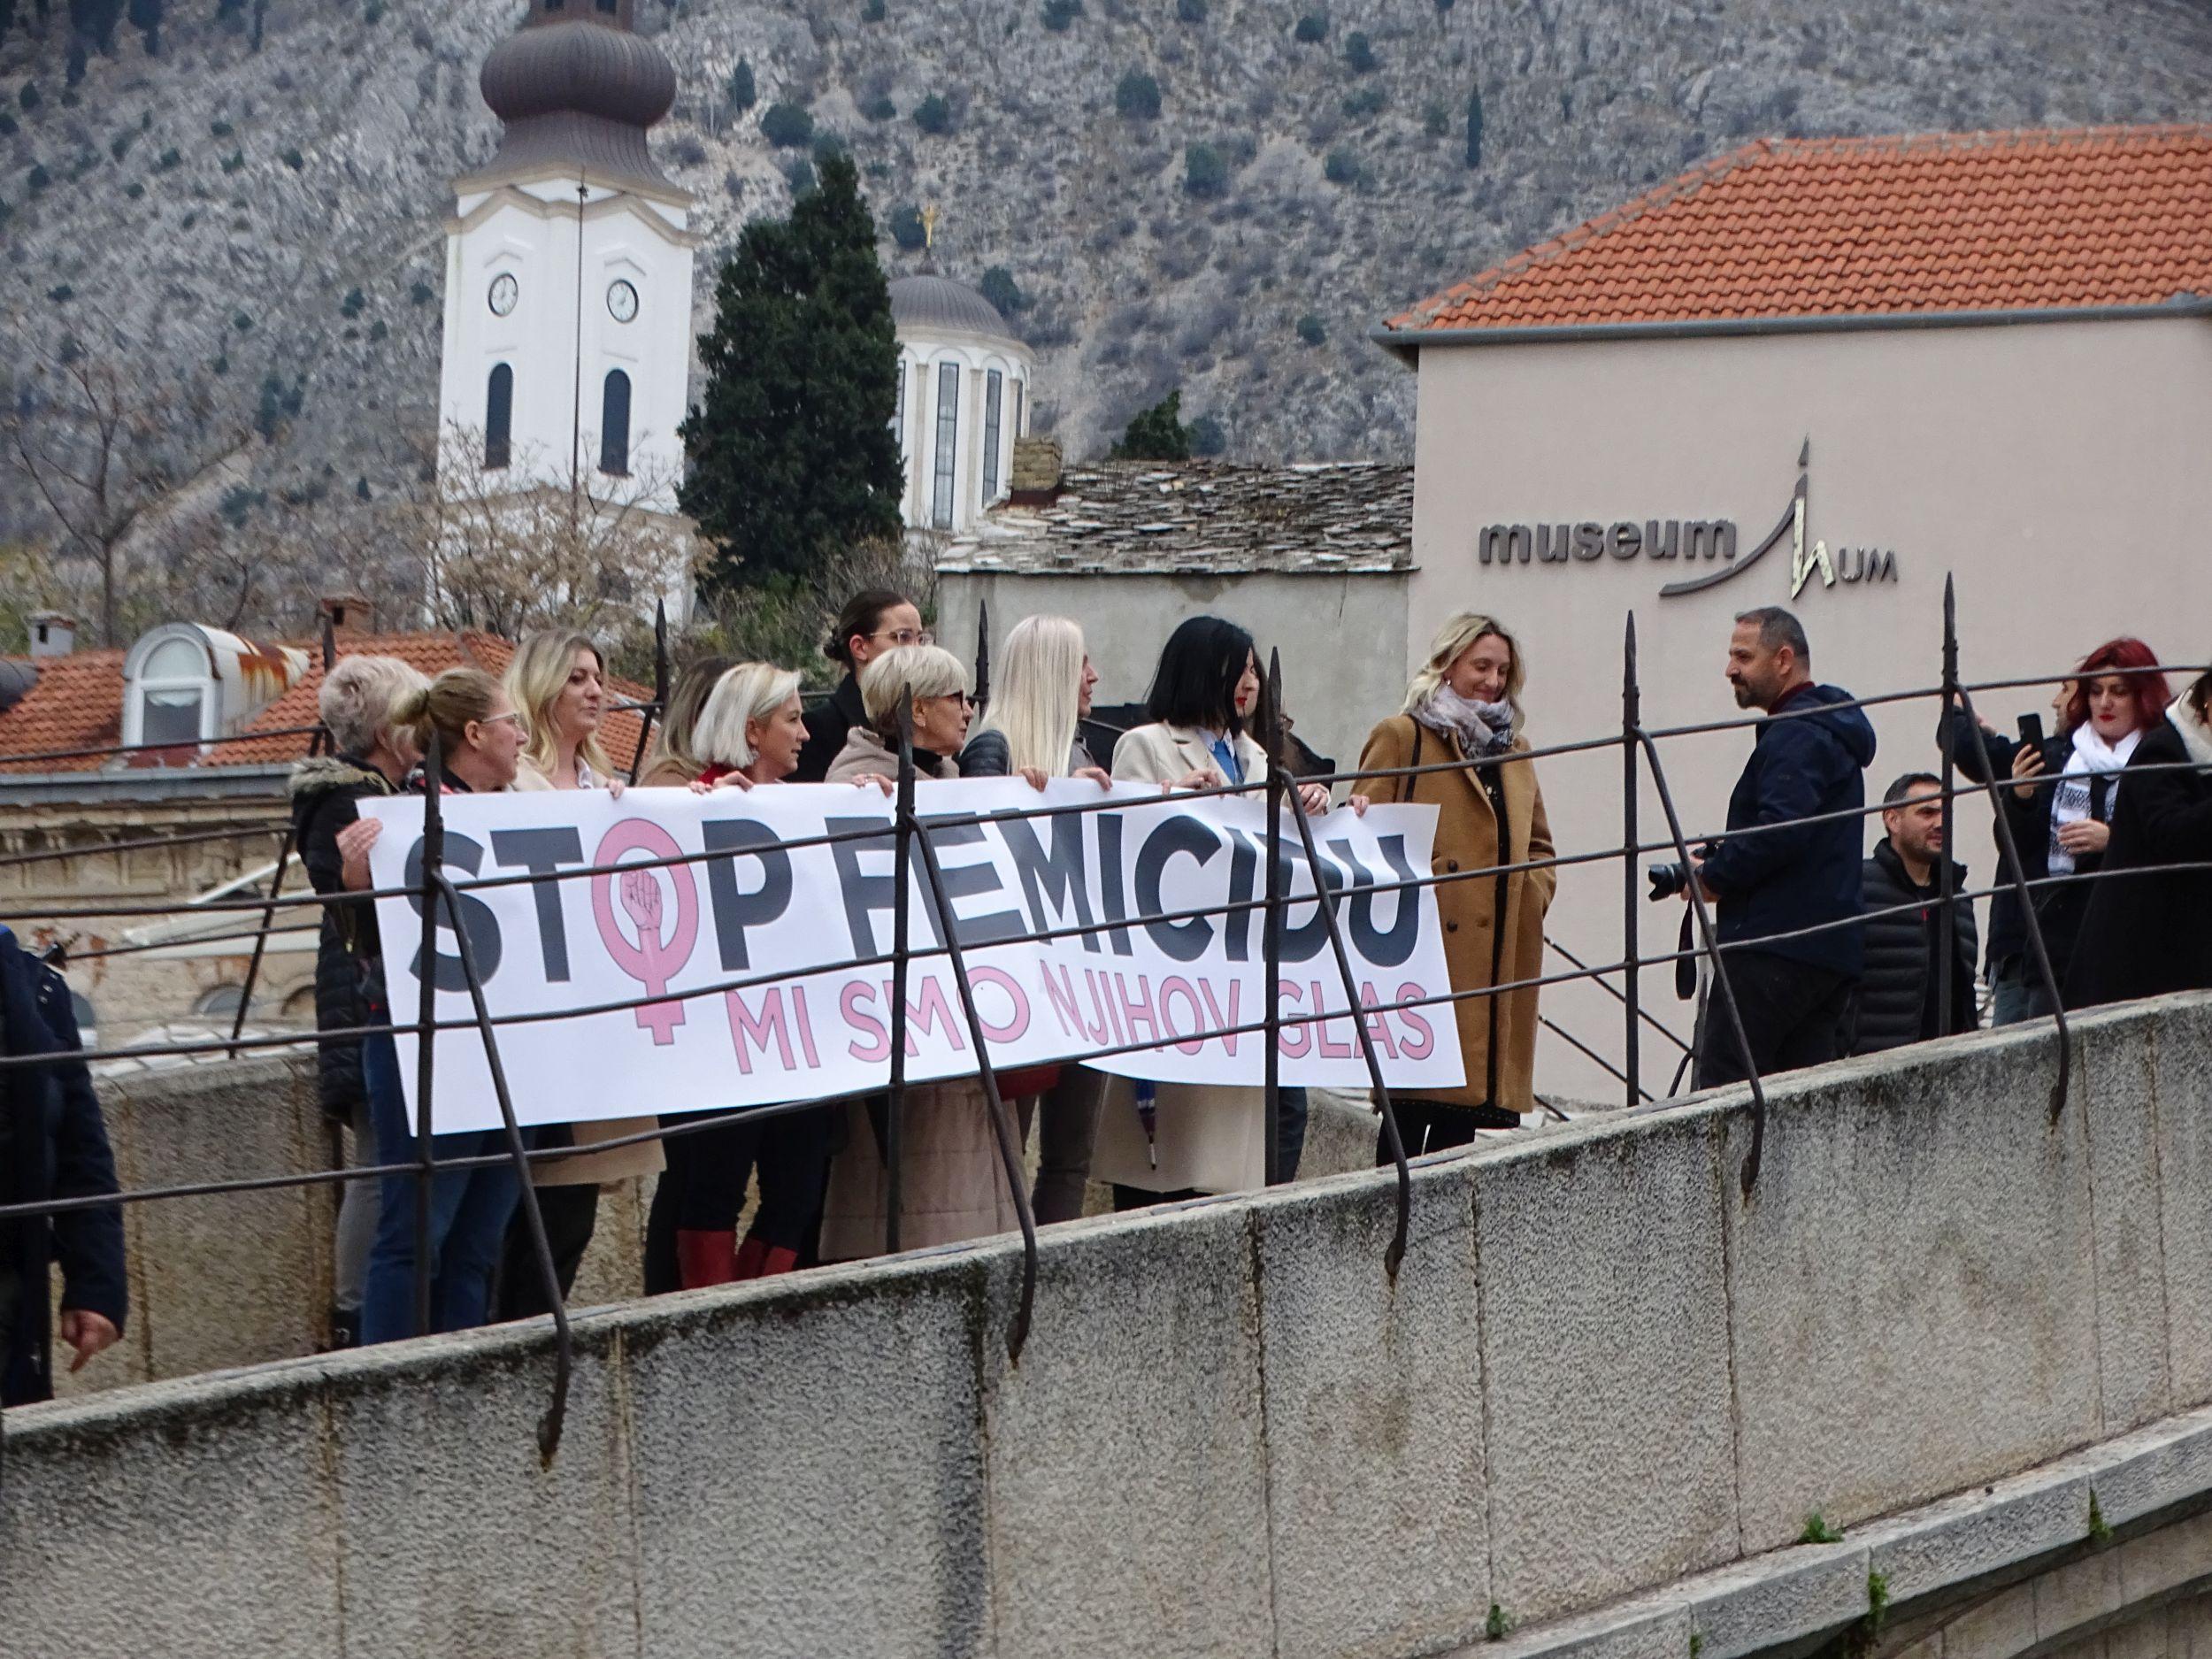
706	1255
757	1258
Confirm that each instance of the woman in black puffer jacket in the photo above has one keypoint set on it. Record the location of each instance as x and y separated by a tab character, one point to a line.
371	759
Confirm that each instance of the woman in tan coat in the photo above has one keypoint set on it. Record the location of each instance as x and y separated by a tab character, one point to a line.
952	1181
1464	705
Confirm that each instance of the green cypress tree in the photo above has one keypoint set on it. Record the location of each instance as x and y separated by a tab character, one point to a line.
790	450
1156	433
1474	127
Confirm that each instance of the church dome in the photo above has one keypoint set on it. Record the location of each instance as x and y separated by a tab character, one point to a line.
581	67
925	303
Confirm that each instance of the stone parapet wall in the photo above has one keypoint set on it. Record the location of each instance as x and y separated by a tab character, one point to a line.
1599	1370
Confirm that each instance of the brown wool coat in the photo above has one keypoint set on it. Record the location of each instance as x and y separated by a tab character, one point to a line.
1475	921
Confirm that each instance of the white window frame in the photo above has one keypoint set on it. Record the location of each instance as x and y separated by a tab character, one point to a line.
205	684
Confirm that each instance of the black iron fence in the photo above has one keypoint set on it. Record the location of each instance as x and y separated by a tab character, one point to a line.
915	849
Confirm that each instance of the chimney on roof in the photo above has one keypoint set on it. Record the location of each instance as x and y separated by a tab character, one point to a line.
1035	478
52	635
348	613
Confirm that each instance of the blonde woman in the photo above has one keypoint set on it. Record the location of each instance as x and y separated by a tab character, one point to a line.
953	1186
1032	731
748	734
558	681
1464	706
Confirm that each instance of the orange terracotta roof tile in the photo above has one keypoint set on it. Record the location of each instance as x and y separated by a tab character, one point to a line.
77	703
2112	216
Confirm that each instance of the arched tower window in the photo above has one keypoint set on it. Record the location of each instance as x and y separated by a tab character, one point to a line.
614	425
948	438
994	394
499	416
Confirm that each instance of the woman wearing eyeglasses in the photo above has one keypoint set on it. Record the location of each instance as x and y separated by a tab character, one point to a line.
952	1183
872	622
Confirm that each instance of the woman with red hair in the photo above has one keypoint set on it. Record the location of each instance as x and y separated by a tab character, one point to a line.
2062	797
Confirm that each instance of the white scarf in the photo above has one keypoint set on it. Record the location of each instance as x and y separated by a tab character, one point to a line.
1482	728
2069	801
2195	739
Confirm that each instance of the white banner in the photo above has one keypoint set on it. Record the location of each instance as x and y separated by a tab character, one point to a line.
785	917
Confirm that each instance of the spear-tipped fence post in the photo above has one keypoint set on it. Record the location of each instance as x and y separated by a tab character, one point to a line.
1946	911
1325	896
426	1016
982	653
1272	930
901	878
658	708
564	1349
1631	718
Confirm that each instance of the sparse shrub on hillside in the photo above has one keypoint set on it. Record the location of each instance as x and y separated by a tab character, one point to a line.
1364	103
1208	437
688	151
354	303
800	176
787	125
934	115
373	13
1436	120
1312	29
28	97
1205	172
219	129
133	189
907	228
169	158
243	322
880	108
61	294
1474	127
8	126
1341	167
1137	96
421	294
1359	55
1191	11
235	161
1059	14
293	160
739	93
38	178
1312	330
998	287
872	12
1156	433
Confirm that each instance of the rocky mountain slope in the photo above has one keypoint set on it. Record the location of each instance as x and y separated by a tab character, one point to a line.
254	215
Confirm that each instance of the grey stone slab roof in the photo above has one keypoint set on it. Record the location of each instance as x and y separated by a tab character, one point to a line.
1143	517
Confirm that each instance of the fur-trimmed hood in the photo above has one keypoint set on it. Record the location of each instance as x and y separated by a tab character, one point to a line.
318	774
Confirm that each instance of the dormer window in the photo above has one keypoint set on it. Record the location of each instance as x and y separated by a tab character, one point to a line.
169	691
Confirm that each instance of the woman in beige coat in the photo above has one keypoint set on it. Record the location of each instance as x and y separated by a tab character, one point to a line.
952	1181
557	681
1464	705
1203	1138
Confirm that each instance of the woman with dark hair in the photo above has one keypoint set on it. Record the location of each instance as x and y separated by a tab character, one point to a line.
874	621
2145	935
1168	1140
2061	803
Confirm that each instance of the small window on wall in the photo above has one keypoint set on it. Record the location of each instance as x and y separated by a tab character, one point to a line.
222	1001
614	425
947	438
499	416
1019	388
994	393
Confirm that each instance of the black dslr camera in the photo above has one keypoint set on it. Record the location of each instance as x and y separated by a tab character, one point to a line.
1668	880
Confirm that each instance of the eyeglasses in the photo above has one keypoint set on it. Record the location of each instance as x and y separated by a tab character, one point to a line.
513	714
905	636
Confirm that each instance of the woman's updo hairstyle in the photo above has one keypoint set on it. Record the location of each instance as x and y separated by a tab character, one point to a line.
446	707
862	615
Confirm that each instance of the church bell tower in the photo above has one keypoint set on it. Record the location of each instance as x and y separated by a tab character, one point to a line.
567	348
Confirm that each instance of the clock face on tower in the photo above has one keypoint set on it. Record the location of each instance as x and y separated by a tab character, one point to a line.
505	292
621	302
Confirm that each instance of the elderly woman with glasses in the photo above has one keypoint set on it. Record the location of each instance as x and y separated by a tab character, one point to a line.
953	1185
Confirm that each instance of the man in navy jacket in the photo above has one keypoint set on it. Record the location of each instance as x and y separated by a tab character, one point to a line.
1809	758
53	1144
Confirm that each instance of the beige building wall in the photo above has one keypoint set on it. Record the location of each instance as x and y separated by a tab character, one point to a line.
2059	470
1340	636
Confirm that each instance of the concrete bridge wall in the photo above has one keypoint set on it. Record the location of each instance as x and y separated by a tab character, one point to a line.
1601	1370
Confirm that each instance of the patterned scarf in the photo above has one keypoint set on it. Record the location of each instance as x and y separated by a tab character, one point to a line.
1481	729
2071	802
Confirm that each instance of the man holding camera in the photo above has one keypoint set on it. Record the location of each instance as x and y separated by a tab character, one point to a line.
1793	988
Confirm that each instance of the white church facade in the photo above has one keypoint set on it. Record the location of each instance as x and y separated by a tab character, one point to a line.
962	399
568	295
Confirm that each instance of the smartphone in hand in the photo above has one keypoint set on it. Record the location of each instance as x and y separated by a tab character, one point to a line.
2031	732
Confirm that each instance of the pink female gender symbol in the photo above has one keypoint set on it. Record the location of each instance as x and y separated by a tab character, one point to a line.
652	962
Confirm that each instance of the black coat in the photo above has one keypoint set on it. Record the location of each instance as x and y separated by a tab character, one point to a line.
349	966
54	1145
1801	765
828	724
2146	935
1897	989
